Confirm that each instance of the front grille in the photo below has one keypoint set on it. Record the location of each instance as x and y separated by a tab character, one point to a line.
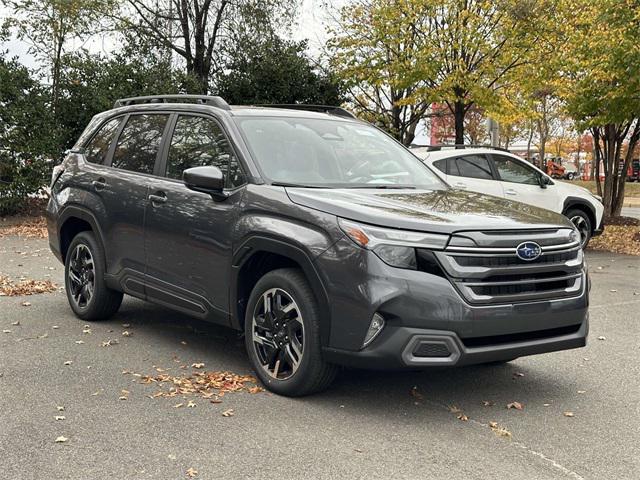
485	269
432	350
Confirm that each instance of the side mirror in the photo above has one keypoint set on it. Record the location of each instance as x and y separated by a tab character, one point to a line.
204	179
544	181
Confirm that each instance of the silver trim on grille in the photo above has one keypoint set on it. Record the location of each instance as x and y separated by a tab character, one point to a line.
491	272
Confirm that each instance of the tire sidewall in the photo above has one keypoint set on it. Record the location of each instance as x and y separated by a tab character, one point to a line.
285	280
89	241
574	213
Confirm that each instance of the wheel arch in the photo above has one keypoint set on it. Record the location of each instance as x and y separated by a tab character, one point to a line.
576	203
74	220
259	255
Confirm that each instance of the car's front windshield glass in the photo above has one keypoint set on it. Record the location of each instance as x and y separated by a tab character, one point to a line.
332	153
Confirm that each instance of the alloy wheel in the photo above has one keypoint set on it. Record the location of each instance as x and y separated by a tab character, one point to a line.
582	226
81	276
278	333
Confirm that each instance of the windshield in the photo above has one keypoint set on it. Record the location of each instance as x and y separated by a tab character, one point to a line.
332	153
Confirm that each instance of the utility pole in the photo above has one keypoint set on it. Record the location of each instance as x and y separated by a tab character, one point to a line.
494	132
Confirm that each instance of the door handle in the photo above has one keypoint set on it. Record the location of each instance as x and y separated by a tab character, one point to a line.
157	199
99	184
510	192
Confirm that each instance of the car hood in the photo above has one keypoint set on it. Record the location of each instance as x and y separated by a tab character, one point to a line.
438	211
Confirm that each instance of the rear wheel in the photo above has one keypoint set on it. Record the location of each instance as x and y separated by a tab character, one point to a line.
282	335
89	297
582	223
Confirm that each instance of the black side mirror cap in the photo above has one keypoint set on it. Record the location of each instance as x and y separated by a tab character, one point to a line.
204	179
544	181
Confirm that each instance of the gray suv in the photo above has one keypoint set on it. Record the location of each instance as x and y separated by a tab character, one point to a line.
319	236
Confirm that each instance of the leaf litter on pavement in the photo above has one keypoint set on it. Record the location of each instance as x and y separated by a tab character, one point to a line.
9	288
209	385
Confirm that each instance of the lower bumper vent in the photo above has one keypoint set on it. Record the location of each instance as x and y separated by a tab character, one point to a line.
431	350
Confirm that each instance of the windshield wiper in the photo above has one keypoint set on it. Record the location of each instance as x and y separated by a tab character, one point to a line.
385	186
298	185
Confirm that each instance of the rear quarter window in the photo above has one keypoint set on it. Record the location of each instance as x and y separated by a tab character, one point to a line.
97	148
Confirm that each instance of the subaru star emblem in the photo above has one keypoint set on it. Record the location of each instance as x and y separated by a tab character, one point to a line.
528	251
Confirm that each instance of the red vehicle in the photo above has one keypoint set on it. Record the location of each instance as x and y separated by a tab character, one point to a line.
633	172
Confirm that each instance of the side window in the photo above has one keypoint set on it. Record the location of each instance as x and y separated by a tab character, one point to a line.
97	149
452	167
199	141
474	166
137	146
441	165
511	170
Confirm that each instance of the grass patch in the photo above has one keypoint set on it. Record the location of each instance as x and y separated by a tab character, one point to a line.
632	189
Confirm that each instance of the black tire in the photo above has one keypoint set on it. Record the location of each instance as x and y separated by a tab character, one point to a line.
103	302
582	223
313	374
570	176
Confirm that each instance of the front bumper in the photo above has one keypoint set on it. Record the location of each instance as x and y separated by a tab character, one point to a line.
600	229
399	348
424	308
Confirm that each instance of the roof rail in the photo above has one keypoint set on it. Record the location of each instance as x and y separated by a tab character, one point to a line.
330	109
434	148
203	99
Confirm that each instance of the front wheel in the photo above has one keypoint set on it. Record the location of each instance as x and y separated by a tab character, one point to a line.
582	223
282	335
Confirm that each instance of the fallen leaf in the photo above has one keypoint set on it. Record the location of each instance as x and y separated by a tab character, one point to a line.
68	362
61	439
500	431
55	327
613	290
463	417
86	331
602	337
228	413
126	333
79	342
415	394
108	343
568	414
16	323
255	389
26	304
178	405
60	417
516	405
6	331
518	374
546	404
197	365
60	409
192	472
191	404
454	409
582	391
487	403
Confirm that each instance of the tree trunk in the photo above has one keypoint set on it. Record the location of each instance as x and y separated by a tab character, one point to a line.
618	199
459	110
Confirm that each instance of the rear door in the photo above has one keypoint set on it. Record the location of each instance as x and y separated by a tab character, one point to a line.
521	182
473	172
123	189
188	234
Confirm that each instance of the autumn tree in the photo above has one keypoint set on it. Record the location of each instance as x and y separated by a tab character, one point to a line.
402	55
603	86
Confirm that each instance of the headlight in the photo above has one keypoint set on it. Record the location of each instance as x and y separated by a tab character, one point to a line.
394	247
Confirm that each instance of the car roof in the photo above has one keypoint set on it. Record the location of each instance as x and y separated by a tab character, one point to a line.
235	110
432	155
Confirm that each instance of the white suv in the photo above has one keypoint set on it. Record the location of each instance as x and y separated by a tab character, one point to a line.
497	172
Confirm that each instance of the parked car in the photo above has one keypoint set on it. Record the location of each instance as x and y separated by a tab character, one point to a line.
317	235
497	172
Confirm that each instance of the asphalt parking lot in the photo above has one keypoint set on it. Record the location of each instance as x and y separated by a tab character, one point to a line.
425	425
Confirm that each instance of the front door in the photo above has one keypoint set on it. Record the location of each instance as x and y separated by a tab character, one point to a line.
188	234
521	182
